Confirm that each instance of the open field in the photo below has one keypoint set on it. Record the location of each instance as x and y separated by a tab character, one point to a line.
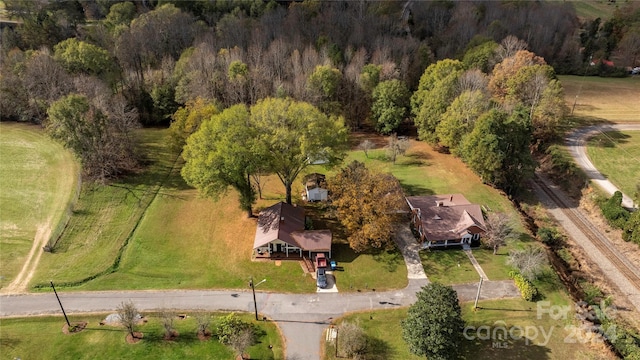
617	156
385	332
591	9
41	337
603	98
37	180
152	231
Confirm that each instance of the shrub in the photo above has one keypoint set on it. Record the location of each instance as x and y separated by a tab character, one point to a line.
528	291
550	236
612	209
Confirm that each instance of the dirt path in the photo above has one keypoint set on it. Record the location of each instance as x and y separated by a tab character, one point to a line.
21	281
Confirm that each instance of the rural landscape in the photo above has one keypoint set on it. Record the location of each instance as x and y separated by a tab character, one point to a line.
319	180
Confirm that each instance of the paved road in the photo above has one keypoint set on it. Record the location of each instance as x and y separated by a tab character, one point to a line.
576	142
301	317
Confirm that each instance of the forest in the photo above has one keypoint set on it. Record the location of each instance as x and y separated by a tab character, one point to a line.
457	71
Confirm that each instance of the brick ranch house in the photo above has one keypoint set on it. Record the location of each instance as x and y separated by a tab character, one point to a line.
281	234
446	220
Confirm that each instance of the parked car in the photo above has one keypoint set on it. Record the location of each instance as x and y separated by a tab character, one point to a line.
321	278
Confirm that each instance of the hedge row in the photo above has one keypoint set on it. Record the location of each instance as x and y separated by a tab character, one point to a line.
528	291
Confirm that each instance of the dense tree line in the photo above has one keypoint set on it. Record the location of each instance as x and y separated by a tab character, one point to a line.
162	54
466	63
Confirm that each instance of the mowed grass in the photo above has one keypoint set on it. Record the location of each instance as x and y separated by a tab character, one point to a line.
452	266
168	236
384	332
37	180
609	99
617	156
42	338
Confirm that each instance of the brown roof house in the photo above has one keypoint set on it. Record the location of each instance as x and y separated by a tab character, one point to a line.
445	220
281	233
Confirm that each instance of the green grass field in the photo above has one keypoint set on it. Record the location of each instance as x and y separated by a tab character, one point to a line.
42	338
591	9
617	156
167	236
385	333
601	99
37	180
442	265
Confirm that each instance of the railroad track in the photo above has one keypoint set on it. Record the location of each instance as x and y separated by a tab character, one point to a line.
601	242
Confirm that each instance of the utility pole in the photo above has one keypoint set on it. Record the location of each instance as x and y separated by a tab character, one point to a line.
59	302
253	290
475	305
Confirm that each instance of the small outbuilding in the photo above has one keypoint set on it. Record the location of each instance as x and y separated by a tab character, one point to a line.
315	187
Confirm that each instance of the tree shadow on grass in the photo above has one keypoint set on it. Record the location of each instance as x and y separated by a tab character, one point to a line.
505	348
415	189
609	139
342	253
389	260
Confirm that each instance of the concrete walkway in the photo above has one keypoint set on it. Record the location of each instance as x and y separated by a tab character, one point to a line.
410	250
467	250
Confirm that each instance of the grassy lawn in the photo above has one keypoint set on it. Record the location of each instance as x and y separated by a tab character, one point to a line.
152	231
37	180
32	338
385	333
603	98
452	266
617	156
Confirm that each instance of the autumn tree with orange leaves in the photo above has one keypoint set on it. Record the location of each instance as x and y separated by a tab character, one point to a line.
368	204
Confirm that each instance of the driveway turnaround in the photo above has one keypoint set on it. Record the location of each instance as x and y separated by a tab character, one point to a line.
576	142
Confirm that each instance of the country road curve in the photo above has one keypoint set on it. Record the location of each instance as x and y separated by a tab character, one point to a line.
576	143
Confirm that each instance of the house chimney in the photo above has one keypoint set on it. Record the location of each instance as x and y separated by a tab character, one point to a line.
281	218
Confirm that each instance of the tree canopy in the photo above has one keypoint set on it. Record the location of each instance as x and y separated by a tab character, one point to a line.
390	102
498	149
99	133
290	135
367	204
433	327
219	155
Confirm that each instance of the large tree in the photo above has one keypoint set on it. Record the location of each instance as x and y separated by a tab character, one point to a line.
438	87
433	327
368	205
186	120
220	155
290	135
500	229
390	102
99	132
498	149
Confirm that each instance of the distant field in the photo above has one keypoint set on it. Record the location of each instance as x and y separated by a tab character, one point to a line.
603	98
591	9
42	338
617	156
37	179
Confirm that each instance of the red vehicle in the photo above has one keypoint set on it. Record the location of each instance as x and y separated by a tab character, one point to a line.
321	261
